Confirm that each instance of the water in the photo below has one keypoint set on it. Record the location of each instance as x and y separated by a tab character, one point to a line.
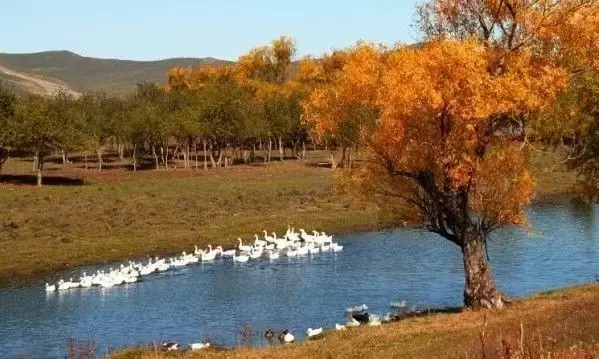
216	300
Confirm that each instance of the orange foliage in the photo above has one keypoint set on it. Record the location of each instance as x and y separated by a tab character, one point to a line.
567	30
191	79
449	110
344	84
437	105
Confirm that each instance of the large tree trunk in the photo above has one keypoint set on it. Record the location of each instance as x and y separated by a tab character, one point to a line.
99	152
40	168
480	291
342	162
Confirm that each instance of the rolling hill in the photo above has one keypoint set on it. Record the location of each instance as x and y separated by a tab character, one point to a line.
20	83
80	73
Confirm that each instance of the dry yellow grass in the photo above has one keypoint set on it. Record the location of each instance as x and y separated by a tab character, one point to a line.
560	324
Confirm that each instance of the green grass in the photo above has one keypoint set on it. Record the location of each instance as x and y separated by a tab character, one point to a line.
119	215
563	324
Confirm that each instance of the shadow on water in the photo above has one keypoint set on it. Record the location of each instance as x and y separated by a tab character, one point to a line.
47	180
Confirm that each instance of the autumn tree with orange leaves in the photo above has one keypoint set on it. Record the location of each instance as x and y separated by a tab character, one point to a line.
444	148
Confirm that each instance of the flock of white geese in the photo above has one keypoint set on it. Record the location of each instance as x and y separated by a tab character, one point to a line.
292	244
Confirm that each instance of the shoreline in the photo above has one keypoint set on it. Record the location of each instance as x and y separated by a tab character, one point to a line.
119	215
439	332
20	281
25	281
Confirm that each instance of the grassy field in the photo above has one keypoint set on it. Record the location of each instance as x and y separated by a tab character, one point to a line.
119	214
90	217
558	324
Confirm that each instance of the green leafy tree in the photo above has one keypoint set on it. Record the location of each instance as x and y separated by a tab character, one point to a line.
7	111
147	126
43	126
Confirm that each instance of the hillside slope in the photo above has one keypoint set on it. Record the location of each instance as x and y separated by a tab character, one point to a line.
93	74
25	83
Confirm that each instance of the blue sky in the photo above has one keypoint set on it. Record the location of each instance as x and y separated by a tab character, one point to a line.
155	29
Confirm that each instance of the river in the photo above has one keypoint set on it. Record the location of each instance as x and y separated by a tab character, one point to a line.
216	300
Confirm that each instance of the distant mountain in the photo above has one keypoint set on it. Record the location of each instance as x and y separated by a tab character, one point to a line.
20	82
90	74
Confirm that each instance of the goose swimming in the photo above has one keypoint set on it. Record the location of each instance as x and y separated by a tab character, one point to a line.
241	258
243	248
199	346
313	332
285	337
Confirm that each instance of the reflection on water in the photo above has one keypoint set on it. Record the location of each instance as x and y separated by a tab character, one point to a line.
215	300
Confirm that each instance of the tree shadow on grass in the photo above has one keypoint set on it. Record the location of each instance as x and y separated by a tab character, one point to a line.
47	180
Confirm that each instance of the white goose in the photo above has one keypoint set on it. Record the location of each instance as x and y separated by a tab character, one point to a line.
291	253
270	247
374	321
273	254
351	323
227	253
303	251
259	242
243	248
305	236
269	238
199	346
50	288
256	253
197	251
336	247
62	285
241	258
313	332
209	254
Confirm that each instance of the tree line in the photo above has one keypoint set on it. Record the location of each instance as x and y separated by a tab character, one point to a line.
206	116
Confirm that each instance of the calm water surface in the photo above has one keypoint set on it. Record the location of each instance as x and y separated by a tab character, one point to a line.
216	300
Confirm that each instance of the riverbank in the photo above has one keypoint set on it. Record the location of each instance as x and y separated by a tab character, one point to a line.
89	217
558	324
119	215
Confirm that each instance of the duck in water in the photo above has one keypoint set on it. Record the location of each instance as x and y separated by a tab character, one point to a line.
269	335
285	337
